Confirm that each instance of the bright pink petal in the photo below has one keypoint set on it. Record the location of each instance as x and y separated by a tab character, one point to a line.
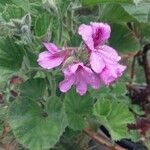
81	87
52	48
91	77
109	54
48	60
67	72
75	66
111	73
93	80
120	69
79	75
66	84
107	77
44	55
43	58
81	84
96	61
101	32
86	33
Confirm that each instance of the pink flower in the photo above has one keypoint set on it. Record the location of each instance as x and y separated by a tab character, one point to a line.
51	58
103	59
102	56
79	75
111	72
94	34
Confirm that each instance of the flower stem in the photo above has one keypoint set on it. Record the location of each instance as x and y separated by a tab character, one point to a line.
102	140
52	83
60	28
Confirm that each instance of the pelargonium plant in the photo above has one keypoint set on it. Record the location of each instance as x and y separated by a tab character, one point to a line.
63	84
92	64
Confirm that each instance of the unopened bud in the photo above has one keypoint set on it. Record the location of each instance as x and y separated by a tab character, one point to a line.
15	80
25	29
13	93
26	20
50	5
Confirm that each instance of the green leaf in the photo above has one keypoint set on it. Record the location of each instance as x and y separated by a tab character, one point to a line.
34	128
42	24
118	90
144	29
32	58
4	2
118	14
114	116
121	11
33	88
69	140
137	109
78	109
13	12
64	5
134	135
4	76
95	2
123	39
11	55
140	12
115	91
99	93
25	4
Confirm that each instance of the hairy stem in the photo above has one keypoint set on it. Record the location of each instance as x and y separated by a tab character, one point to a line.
102	140
145	63
51	83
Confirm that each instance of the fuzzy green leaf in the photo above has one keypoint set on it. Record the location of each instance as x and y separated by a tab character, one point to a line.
77	109
42	24
144	29
33	88
34	128
114	116
4	2
11	55
118	13
13	12
25	4
95	2
115	91
123	39
140	12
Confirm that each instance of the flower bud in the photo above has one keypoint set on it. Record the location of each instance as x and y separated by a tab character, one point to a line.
50	5
15	80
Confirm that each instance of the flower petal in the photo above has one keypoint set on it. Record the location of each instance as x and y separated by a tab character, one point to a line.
109	54
91	77
111	73
86	33
101	32
96	61
74	67
120	69
52	48
66	84
81	87
48	60
93	80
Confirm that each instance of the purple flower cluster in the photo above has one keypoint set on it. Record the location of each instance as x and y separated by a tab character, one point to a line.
103	61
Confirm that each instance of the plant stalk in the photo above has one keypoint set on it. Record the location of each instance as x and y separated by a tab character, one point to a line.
102	140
